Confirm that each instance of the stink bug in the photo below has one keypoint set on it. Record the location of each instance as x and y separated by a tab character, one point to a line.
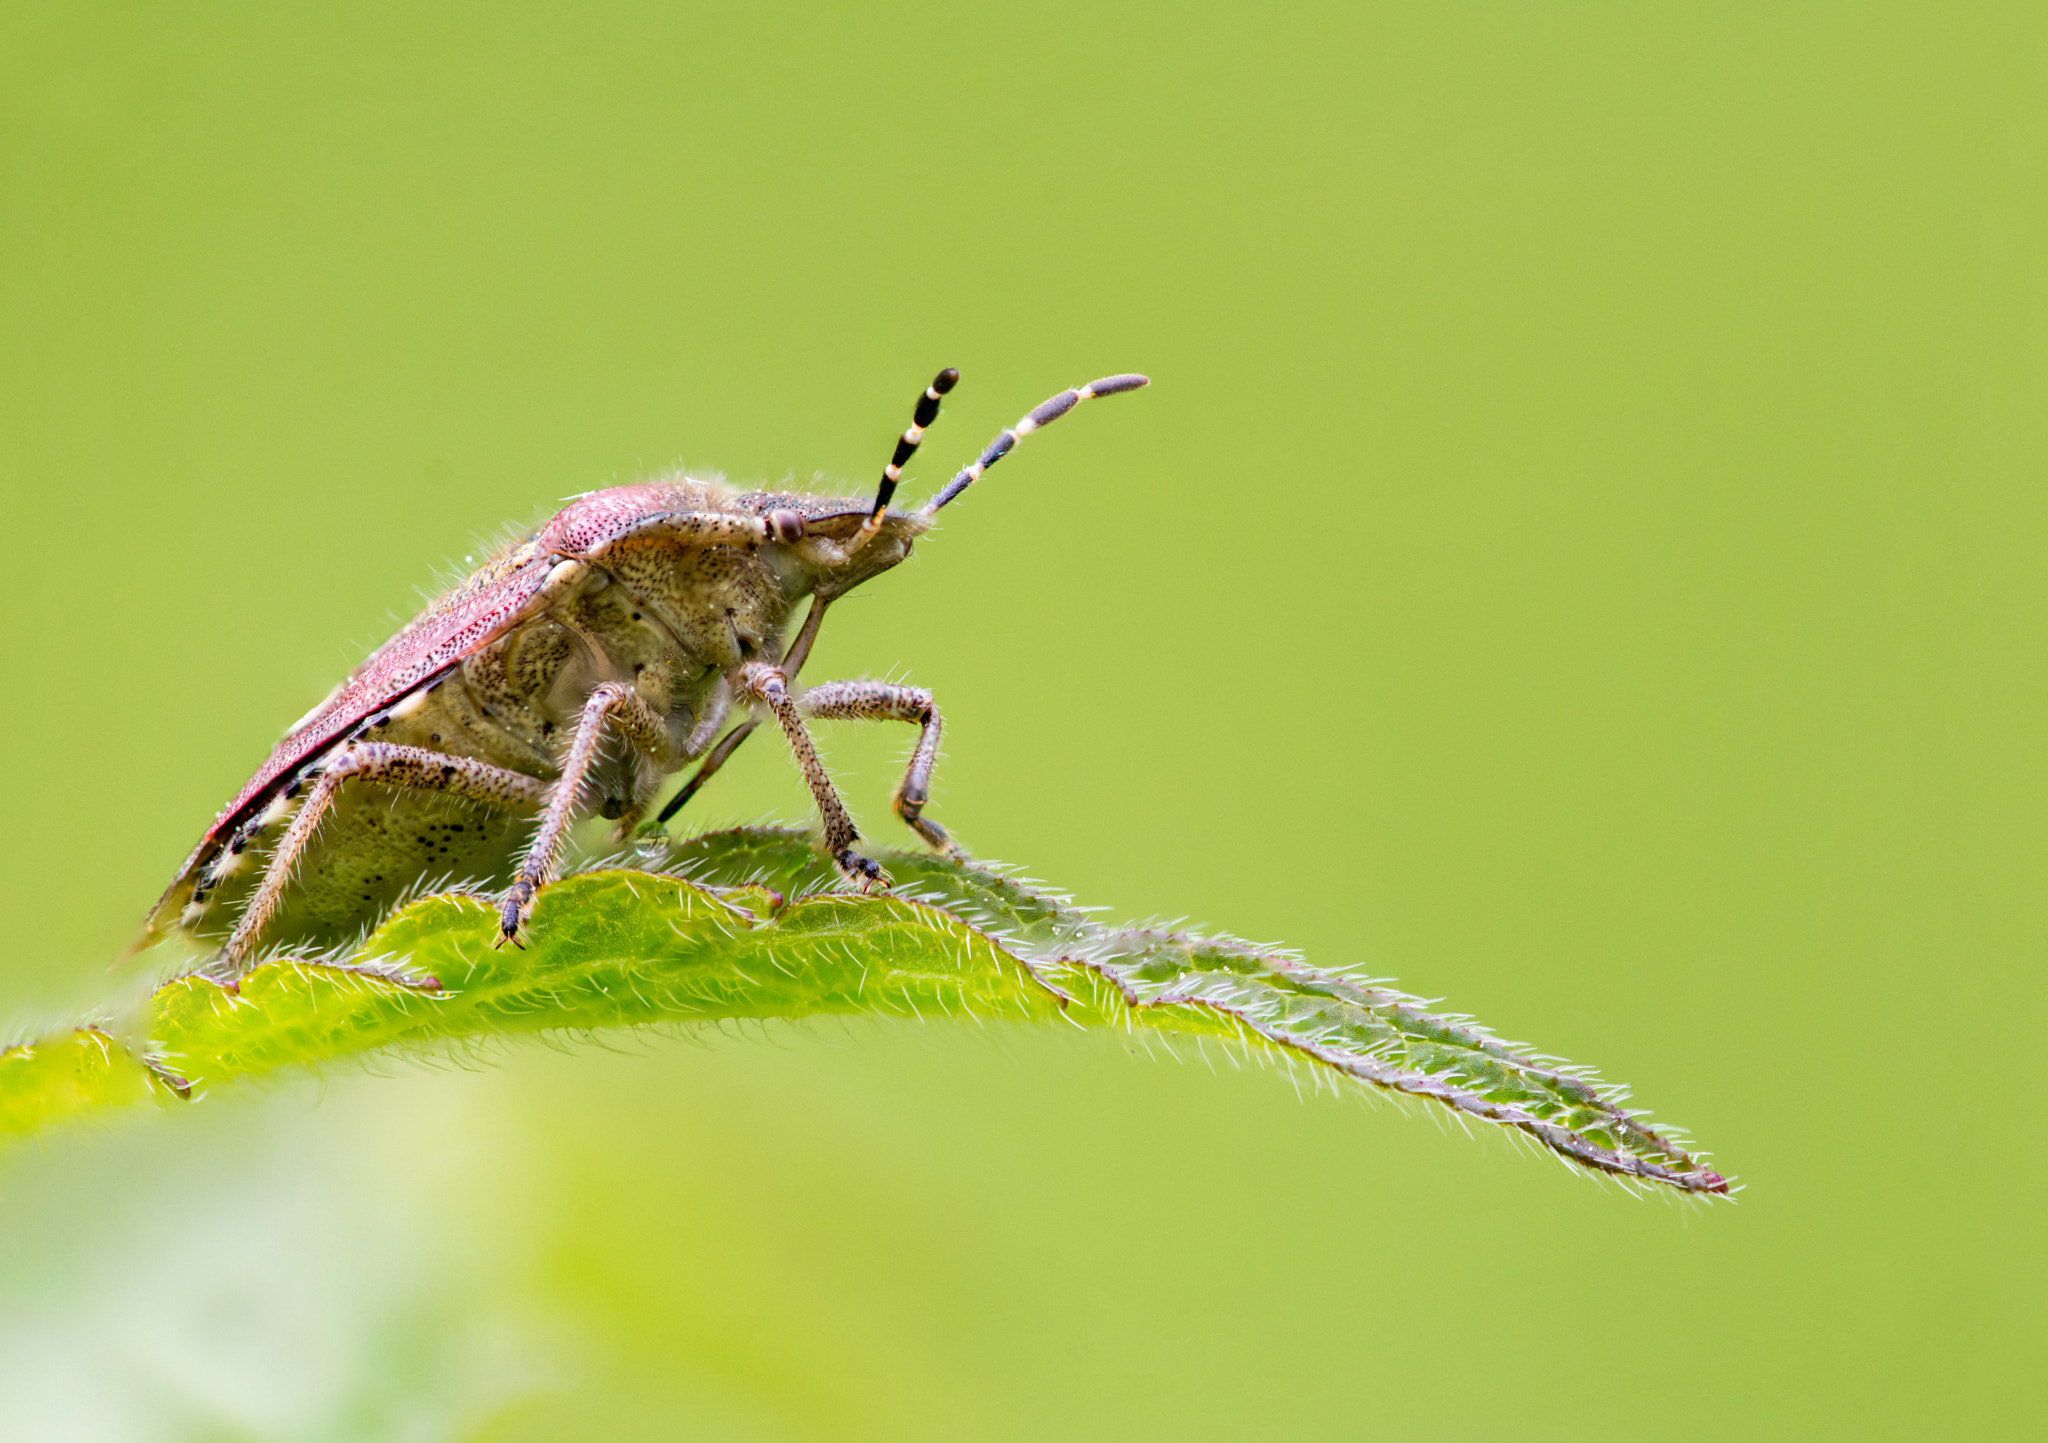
595	657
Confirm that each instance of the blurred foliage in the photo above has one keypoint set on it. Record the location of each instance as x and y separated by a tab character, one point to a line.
1585	546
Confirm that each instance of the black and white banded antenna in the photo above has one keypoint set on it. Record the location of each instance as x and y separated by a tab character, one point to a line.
906	447
1042	414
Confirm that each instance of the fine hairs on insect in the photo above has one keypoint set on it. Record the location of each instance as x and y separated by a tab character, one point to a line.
641	629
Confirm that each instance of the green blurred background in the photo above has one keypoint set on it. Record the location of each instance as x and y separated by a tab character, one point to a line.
1582	554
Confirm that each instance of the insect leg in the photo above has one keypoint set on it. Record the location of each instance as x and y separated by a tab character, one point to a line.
769	685
715	759
613	704
798	650
388	765
698	744
1043	414
716	709
879	701
906	447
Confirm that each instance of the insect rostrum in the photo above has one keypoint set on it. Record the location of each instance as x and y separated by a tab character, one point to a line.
576	671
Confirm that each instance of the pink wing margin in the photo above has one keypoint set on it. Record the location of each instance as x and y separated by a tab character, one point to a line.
497	597
484	607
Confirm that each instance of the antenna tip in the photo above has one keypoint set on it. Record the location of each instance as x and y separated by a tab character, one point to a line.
1113	385
946	380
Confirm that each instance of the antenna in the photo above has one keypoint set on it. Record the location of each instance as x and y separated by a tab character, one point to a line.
1042	414
906	447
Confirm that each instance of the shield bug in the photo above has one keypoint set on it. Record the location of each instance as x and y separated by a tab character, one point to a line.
586	662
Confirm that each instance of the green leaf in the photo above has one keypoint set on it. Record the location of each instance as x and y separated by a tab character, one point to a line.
749	924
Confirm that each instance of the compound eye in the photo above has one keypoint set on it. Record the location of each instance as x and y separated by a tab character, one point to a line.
785	525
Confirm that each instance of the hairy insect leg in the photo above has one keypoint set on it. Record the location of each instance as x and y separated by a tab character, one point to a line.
769	685
879	701
388	765
611	705
730	743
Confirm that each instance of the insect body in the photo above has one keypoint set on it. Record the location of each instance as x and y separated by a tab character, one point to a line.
590	660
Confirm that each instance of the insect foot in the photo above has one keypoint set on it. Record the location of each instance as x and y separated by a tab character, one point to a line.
512	912
573	673
864	872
